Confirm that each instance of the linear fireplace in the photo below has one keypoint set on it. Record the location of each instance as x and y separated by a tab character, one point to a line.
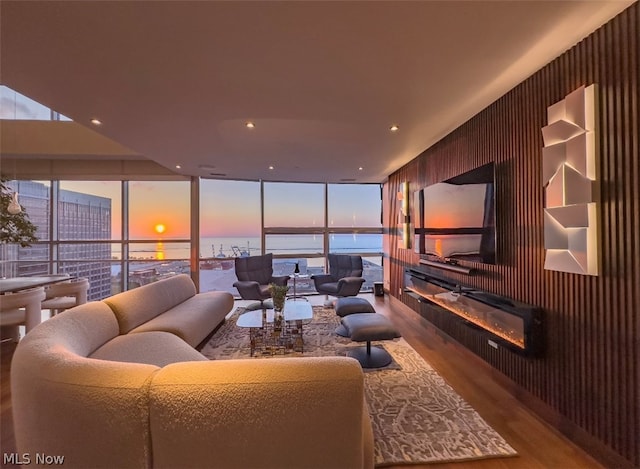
514	325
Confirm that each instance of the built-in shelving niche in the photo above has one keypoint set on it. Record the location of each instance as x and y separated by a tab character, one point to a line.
507	323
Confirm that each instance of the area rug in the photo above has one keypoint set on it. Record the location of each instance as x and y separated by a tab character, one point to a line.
417	417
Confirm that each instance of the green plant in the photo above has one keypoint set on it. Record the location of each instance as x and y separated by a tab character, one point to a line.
14	228
278	294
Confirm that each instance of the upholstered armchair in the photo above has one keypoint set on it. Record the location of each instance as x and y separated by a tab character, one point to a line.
344	277
255	274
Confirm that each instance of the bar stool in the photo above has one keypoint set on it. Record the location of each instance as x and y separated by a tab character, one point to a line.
23	307
65	295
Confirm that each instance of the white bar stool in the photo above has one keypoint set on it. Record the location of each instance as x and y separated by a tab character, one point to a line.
65	295
23	307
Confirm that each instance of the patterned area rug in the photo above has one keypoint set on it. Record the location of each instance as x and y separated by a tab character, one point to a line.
417	417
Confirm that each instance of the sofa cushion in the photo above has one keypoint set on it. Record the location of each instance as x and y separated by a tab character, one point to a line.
353	305
261	413
152	348
194	319
80	330
137	306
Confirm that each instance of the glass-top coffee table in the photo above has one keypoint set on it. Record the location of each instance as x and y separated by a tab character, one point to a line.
269	335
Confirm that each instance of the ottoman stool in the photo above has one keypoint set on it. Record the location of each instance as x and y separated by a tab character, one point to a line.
351	305
367	327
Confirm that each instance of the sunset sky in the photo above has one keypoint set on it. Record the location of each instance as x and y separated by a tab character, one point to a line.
232	208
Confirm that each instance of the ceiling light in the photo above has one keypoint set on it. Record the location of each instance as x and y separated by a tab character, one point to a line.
270	167
360	168
250	125
95	121
178	166
394	128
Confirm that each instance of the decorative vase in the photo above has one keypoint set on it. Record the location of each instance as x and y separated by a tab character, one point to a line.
278	295
278	304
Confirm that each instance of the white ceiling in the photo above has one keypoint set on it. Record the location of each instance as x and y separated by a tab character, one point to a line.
323	81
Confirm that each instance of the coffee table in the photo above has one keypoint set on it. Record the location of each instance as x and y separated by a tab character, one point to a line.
271	336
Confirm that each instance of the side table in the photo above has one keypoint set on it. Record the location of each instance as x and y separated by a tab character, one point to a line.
295	277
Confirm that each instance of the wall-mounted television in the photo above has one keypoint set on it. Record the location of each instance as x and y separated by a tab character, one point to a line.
455	219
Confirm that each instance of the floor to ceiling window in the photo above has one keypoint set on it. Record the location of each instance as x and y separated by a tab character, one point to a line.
230	227
301	224
88	223
123	234
294	229
354	221
158	230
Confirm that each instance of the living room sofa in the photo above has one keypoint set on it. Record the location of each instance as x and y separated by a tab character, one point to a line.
118	383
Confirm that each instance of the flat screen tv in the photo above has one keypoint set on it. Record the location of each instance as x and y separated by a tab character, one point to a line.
455	219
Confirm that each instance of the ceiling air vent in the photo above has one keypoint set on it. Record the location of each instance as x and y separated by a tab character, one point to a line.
348	180
218	174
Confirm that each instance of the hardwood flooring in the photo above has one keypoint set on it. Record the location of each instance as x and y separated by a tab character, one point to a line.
538	445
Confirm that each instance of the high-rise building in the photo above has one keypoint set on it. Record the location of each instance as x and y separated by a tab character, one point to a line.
79	220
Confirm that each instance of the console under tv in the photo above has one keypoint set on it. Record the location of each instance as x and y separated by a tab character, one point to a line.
504	321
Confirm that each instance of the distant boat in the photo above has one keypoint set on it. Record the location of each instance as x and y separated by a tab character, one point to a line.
238	252
222	262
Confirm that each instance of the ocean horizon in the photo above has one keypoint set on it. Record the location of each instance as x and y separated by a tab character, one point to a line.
220	247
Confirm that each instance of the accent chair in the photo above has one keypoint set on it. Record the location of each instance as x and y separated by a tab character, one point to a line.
255	274
344	277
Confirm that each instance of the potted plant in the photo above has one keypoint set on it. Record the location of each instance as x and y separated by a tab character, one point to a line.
15	229
278	294
15	226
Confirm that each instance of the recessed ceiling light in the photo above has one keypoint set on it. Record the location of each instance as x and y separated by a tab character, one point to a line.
394	128
250	125
360	168
178	166
270	167
95	121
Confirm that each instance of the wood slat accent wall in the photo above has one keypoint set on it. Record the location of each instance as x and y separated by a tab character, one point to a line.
590	374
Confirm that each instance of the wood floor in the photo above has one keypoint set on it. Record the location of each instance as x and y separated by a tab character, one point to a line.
538	445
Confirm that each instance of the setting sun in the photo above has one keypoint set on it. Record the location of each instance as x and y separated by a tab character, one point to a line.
160	228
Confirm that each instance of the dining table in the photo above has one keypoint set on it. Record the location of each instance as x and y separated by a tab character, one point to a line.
16	284
33	312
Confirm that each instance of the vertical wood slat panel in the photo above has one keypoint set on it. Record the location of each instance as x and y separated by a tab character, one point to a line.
590	374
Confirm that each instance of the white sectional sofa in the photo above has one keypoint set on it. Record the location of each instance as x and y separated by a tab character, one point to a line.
118	383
